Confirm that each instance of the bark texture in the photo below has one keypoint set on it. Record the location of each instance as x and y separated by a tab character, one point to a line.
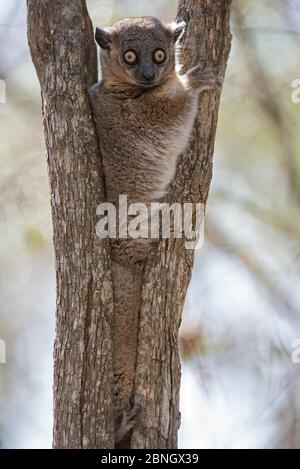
169	268
63	51
61	41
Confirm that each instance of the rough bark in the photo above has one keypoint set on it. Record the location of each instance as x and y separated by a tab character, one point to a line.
169	268
61	42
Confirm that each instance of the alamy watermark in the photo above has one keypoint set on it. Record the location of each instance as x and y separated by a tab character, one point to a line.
296	353
2	352
152	221
296	92
2	91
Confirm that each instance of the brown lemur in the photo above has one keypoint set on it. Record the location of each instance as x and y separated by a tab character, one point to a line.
144	110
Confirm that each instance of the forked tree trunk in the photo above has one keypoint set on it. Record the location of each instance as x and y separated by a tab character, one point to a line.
64	54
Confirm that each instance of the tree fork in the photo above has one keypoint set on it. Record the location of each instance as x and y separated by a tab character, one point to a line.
60	36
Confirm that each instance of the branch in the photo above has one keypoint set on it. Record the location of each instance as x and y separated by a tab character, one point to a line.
169	267
223	242
270	104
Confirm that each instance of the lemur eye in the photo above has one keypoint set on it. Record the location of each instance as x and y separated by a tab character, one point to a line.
159	56
130	57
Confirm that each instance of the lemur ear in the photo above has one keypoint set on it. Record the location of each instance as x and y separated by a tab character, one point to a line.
177	29
103	38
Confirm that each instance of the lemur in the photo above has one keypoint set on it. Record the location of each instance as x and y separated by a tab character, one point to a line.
144	110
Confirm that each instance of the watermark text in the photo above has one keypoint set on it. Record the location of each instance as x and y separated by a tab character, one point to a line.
152	221
2	352
296	92
2	91
296	353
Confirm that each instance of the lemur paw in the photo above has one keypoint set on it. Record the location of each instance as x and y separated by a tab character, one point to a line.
126	421
204	78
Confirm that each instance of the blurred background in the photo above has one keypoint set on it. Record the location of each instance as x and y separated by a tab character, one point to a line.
240	388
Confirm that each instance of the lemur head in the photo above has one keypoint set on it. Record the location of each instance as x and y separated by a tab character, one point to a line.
138	51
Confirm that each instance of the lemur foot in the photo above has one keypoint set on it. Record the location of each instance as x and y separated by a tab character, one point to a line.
204	78
125	422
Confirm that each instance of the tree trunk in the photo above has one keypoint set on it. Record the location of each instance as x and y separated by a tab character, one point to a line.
169	268
63	51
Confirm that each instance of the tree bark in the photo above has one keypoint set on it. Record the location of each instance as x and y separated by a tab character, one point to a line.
63	51
169	268
61	41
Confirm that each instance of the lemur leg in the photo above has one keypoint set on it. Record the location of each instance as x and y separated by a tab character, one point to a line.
203	78
127	281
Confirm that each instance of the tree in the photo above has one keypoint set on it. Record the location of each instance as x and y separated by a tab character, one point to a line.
60	36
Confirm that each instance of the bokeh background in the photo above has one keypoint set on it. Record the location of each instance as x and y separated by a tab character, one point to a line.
240	388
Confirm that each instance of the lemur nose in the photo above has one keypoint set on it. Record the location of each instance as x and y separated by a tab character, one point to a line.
148	73
148	76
